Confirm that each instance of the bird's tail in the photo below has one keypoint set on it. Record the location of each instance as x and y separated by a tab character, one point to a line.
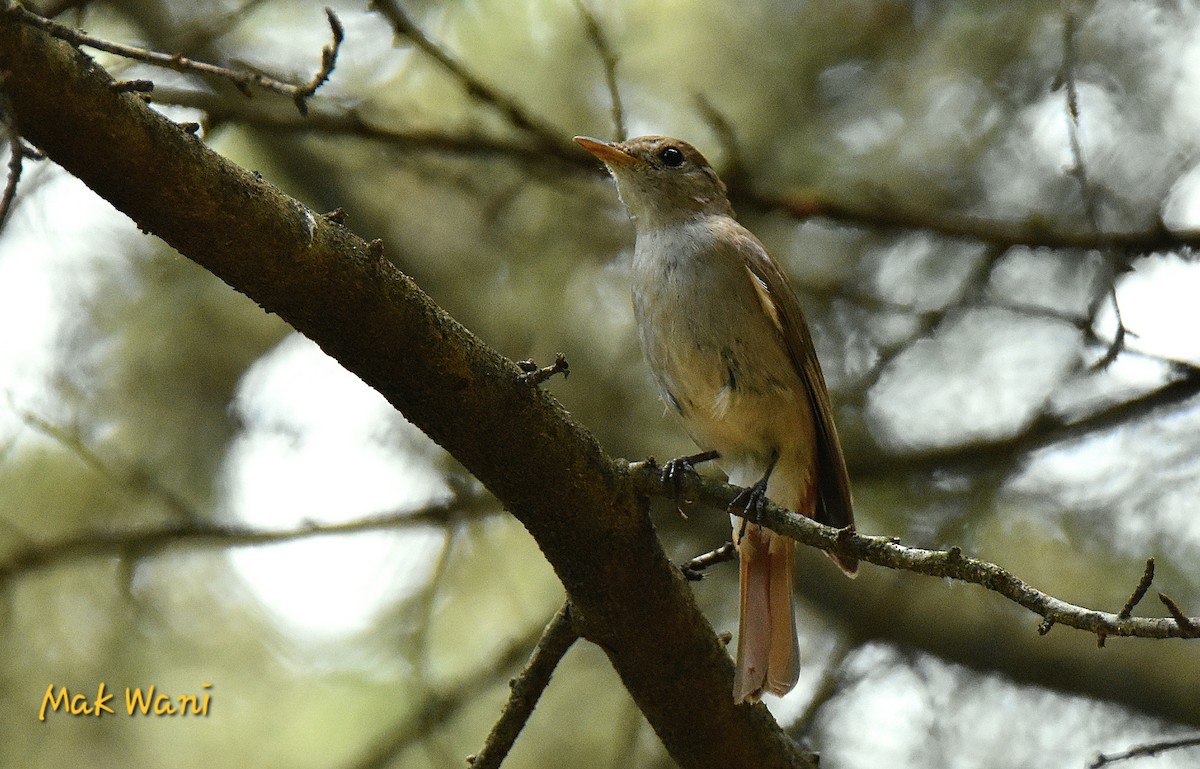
768	656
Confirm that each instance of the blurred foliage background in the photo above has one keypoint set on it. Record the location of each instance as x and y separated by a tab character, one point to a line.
146	402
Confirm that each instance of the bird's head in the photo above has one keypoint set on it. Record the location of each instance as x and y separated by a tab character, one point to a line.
661	180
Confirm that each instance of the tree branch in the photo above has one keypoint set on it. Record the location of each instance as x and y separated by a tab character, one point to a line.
1045	431
123	476
949	564
897	215
404	26
526	689
552	475
138	543
17	154
608	58
1140	751
1139	592
1031	233
242	79
437	708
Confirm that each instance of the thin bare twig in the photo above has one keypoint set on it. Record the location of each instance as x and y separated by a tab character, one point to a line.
1079	169
901	215
694	569
404	26
1045	431
17	154
526	689
147	540
828	686
122	475
1149	749
1140	591
438	708
535	376
951	564
190	529
428	600
735	161
242	79
1188	627
1087	190
609	59
329	56
351	123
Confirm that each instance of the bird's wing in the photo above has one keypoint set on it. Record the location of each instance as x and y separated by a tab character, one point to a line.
834	506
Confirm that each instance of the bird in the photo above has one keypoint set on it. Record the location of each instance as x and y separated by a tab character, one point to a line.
725	339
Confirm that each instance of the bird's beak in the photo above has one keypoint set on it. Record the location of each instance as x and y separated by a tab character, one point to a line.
609	152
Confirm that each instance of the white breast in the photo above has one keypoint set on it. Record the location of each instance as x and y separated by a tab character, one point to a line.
717	356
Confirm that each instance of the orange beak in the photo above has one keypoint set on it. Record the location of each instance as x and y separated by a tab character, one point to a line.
609	152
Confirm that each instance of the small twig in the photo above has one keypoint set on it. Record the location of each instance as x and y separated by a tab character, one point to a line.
146	540
329	56
1079	170
133	86
241	79
1117	345
404	26
1187	626
1140	591
17	153
439	707
337	216
1045	431
426	603
903	215
1149	749
735	170
609	59
1087	190
122	475
535	376
693	570
830	684
526	689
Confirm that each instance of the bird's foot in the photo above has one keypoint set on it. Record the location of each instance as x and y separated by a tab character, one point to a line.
675	471
751	501
749	504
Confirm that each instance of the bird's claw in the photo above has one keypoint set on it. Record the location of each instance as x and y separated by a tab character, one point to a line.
750	504
751	501
675	471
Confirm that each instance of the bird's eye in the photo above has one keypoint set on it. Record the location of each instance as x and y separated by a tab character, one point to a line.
671	157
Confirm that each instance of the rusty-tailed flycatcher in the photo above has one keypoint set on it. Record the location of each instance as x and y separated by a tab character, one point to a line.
727	343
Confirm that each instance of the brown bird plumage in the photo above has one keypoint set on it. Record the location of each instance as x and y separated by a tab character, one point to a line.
729	348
